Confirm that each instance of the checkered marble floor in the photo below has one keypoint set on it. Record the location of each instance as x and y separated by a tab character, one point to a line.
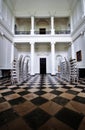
44	102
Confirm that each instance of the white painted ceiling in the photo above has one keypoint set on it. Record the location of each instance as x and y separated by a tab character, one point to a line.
42	7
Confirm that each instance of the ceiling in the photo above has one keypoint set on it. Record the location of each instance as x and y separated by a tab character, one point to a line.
42	7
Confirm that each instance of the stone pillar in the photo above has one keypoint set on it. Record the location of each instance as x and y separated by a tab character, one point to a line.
53	58
13	25
0	9
32	58
12	53
71	24
52	25
32	25
83	6
72	51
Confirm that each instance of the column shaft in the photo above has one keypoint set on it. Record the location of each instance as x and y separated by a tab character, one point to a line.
83	6
53	58
32	25
32	58
52	25
72	51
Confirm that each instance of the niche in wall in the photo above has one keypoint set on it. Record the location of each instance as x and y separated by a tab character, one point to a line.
79	55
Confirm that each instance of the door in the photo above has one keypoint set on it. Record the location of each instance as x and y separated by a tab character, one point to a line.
42	65
42	30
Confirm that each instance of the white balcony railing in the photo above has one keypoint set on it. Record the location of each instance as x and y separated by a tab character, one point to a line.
44	33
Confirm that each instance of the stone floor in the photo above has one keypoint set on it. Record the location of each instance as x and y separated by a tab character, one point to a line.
44	102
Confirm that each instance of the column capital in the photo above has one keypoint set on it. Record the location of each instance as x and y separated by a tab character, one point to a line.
32	43
52	43
52	25
32	16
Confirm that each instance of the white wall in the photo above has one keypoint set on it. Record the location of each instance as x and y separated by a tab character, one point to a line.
42	8
69	55
77	14
6	14
42	50
79	44
23	24
5	53
61	50
37	62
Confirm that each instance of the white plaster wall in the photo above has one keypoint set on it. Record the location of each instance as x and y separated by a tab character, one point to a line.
62	23
79	44
42	23
24	50
69	55
42	50
77	14
61	50
37	62
42	8
23	24
6	14
15	52
5	53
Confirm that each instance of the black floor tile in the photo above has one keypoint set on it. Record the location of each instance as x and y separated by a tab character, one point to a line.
53	87
1	88
26	88
8	93
79	99
2	99
15	88
60	100
36	118
66	87
17	101
23	93
40	92
56	92
7	116
40	88
39	101
72	92
83	91
71	118
77	86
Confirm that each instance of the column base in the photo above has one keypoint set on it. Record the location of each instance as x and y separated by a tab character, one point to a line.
53	74
32	32
52	32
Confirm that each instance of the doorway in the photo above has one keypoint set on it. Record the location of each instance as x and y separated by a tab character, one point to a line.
42	31
42	65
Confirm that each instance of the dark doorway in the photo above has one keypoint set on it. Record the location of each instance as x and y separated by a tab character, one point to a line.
42	65
42	30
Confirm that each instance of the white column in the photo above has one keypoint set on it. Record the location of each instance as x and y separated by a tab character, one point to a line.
83	6
32	25
53	58
12	53
72	51
13	24
32	58
52	25
71	24
0	9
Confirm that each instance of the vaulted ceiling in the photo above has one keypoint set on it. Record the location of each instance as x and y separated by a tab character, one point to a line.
42	7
